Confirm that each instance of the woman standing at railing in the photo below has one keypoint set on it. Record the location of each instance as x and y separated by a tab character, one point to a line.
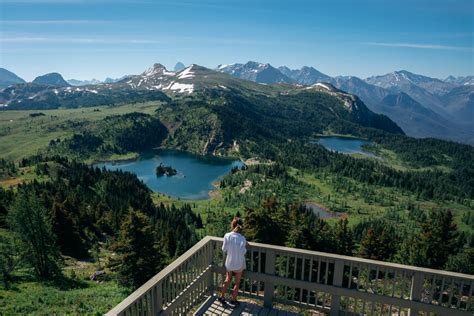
235	246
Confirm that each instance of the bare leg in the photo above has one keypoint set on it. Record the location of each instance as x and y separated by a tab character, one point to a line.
235	292
228	278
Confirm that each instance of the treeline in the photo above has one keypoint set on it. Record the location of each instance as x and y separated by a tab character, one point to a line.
456	185
7	169
80	207
118	134
250	185
429	151
433	241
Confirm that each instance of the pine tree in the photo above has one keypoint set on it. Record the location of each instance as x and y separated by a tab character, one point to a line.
138	256
9	257
344	238
70	241
437	241
31	222
377	244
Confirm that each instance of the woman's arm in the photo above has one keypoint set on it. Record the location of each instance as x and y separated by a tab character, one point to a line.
224	245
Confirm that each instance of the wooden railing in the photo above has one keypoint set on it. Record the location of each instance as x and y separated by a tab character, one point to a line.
306	279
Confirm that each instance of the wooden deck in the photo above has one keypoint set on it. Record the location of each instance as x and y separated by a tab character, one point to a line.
307	280
212	307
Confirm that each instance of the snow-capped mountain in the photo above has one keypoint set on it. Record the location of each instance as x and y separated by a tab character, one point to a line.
158	77
257	72
51	79
305	76
423	106
398	80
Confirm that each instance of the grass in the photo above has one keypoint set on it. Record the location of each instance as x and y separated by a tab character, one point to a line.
22	135
40	298
73	294
380	200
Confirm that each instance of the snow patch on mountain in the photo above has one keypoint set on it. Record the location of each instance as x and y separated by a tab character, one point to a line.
319	84
186	73
181	87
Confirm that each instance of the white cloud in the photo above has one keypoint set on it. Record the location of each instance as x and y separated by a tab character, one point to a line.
420	46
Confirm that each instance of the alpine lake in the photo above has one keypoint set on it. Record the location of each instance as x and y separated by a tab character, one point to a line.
195	174
345	145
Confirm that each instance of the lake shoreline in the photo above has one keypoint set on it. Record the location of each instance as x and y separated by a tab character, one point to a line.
200	173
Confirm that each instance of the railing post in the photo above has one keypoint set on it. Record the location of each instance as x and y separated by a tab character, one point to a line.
337	281
269	270
210	262
415	292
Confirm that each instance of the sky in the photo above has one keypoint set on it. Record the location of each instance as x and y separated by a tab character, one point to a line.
85	39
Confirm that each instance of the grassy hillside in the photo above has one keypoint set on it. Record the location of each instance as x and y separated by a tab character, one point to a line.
24	133
415	179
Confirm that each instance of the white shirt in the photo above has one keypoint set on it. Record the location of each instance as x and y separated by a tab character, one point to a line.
235	247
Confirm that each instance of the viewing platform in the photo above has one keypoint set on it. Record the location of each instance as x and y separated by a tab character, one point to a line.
288	281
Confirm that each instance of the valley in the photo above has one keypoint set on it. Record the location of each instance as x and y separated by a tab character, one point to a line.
93	168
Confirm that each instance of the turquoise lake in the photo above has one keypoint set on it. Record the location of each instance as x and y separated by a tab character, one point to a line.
345	145
195	173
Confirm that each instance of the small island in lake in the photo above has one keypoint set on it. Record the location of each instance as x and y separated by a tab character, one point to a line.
162	170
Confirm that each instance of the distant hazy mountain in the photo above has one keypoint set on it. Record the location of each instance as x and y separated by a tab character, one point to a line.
459	103
52	79
75	82
400	80
370	94
257	72
305	76
462	81
179	66
8	78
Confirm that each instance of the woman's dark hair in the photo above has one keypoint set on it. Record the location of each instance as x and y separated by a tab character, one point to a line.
236	224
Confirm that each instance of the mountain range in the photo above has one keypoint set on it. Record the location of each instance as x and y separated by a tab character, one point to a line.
422	106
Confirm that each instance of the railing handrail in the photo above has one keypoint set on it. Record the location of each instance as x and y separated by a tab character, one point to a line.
355	259
151	292
158	277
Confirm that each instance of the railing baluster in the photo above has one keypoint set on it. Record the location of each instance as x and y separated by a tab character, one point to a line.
385	280
327	272
319	270
178	288
432	289
302	278
458	302
469	301
441	291
451	291
350	276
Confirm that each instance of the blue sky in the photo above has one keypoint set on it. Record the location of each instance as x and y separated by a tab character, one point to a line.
86	39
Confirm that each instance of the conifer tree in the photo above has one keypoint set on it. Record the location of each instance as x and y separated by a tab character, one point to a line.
344	238
377	244
31	222
9	257
138	256
437	241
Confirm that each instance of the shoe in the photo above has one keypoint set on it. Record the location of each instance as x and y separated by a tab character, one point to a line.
235	302
222	300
